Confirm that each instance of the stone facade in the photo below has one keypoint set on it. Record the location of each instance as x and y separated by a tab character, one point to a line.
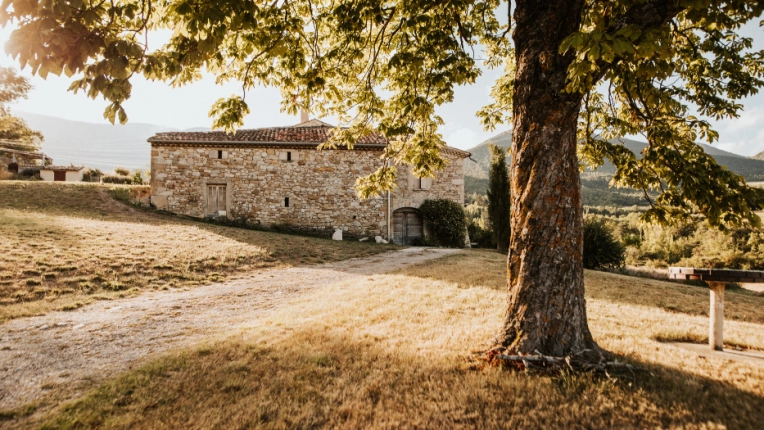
448	185
297	187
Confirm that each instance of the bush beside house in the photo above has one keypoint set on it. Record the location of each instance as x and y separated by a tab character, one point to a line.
446	222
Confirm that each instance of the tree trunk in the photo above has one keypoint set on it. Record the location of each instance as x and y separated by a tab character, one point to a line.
547	310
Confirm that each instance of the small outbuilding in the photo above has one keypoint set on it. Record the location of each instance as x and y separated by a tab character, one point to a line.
61	173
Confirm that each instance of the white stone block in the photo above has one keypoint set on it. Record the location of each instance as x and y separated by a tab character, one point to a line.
337	235
379	239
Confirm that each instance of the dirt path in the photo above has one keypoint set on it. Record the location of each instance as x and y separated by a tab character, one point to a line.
75	349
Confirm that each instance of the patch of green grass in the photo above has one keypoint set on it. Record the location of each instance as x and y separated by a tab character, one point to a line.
23	411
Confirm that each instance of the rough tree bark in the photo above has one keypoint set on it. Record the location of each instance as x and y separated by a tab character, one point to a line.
547	310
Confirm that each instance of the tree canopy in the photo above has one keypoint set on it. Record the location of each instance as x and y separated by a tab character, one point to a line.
643	67
14	131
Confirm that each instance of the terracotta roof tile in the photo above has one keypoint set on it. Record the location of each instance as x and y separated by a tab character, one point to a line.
315	135
312	134
50	167
67	168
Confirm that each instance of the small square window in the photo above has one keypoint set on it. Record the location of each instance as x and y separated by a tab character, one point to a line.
220	154
286	202
289	155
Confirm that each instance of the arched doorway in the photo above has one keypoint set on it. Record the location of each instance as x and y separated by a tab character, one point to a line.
407	226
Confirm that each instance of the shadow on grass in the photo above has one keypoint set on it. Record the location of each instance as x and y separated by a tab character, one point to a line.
485	269
320	378
687	299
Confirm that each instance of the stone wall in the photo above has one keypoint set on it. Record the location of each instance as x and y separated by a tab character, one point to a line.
449	184
319	186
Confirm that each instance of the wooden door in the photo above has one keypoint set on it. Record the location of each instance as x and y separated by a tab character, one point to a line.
59	175
414	228
398	228
216	200
407	226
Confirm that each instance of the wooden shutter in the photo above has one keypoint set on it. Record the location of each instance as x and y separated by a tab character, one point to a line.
212	199
216	199
426	183
221	199
59	175
413	181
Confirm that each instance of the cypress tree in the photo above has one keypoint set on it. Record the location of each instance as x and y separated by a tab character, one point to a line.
498	197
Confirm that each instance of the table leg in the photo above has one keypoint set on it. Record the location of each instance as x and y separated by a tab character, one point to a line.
716	329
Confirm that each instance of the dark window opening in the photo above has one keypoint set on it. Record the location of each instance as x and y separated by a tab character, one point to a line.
286	202
289	156
220	155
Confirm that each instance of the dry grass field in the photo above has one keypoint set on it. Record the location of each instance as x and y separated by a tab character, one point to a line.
64	245
392	352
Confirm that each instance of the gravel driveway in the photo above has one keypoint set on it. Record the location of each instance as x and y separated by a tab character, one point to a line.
67	350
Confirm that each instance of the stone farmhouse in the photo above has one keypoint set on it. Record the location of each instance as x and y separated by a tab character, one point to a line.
277	177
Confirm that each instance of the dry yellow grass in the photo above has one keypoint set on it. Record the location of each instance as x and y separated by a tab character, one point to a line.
391	352
64	245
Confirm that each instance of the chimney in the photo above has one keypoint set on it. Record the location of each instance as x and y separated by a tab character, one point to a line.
303	116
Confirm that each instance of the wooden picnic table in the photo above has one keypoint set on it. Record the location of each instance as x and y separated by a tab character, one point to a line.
717	280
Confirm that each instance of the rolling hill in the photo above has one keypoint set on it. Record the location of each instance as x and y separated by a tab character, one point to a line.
594	184
759	156
103	146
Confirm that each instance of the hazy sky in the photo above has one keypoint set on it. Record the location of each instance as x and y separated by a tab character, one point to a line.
187	107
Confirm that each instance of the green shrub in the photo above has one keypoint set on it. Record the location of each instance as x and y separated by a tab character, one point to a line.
481	237
121	171
91	175
446	221
121	194
602	250
30	172
478	225
138	178
116	179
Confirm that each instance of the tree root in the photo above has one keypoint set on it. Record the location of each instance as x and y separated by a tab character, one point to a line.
586	361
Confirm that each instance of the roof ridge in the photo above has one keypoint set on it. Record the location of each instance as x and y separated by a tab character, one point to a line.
299	135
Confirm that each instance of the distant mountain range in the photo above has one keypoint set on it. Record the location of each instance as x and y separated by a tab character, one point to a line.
750	168
102	146
594	185
107	146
